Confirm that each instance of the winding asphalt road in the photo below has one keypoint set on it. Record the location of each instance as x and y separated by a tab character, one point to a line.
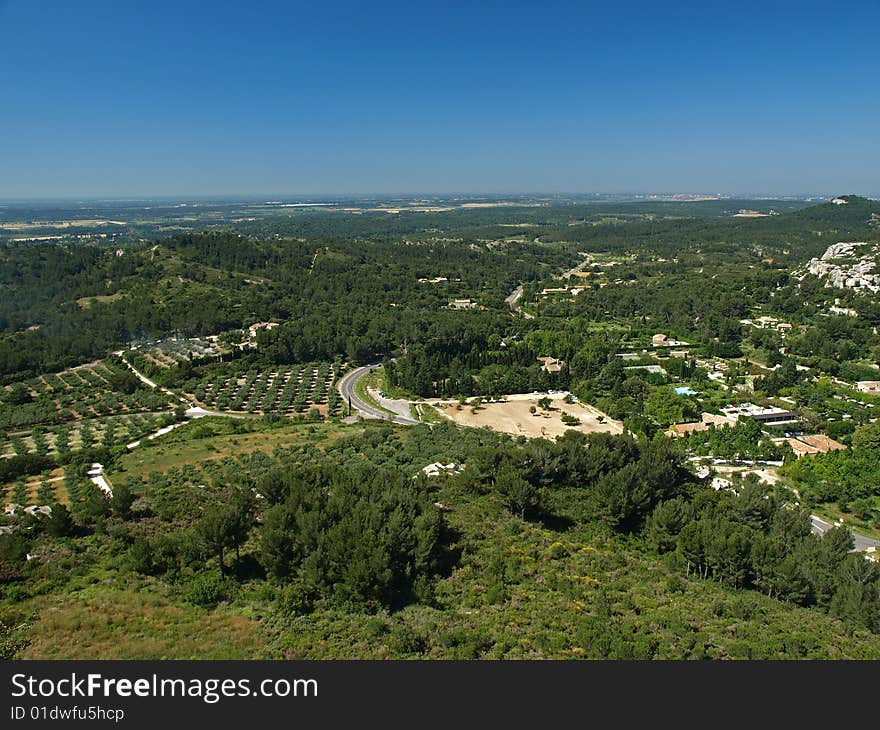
349	395
820	527
513	302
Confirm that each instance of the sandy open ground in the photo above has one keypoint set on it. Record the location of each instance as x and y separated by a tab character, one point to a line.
59	224
512	416
498	204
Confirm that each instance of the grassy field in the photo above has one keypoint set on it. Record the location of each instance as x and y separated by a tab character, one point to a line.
115	624
86	302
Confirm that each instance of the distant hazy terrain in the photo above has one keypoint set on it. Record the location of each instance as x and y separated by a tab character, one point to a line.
124	221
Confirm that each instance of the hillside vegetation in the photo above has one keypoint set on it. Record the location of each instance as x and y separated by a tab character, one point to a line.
281	525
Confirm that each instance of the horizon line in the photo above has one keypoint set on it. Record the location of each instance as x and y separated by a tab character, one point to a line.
271	197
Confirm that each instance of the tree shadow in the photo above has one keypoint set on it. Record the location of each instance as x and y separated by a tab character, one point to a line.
552	521
247	567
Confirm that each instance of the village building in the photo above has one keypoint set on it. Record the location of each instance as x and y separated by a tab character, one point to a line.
677	430
707	420
822	442
656	369
551	364
714	419
810	445
764	416
662	340
799	448
257	326
845	311
871	387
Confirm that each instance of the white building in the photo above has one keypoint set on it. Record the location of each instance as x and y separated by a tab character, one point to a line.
766	416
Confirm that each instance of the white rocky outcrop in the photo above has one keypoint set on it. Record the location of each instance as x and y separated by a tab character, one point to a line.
847	265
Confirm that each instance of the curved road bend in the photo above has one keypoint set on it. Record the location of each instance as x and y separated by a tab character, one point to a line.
820	527
347	391
513	302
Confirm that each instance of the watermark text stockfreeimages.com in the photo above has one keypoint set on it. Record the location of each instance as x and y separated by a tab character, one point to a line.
208	690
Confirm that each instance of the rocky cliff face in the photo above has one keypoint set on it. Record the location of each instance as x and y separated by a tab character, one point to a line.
848	266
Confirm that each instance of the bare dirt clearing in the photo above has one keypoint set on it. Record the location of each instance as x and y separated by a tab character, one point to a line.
513	416
30	225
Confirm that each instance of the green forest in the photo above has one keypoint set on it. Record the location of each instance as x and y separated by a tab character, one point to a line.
254	512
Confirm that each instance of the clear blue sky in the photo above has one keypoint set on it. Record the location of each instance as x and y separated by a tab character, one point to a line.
134	98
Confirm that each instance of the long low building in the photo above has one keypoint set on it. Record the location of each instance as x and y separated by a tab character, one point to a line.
766	416
775	417
656	369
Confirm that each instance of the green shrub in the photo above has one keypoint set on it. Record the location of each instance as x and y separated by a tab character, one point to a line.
208	589
404	639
